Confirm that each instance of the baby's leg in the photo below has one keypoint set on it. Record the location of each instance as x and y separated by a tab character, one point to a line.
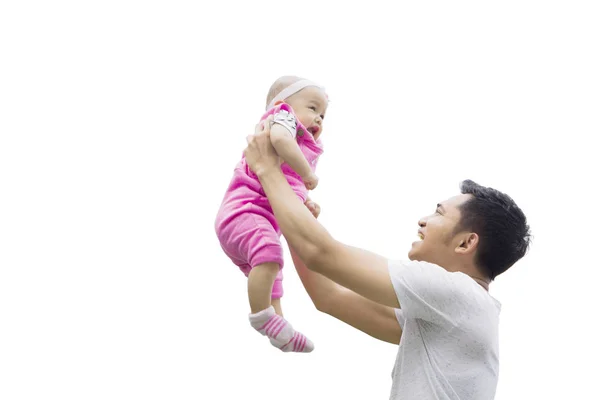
277	293
254	245
260	285
267	317
276	303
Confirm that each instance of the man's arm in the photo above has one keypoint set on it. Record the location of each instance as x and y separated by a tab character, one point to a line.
359	270
372	318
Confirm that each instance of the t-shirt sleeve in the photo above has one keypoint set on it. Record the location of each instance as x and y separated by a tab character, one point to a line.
426	291
284	116
400	317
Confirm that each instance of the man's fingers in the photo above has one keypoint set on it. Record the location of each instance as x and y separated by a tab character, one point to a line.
267	123
263	126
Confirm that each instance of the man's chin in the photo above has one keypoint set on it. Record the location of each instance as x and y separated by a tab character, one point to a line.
415	255
412	255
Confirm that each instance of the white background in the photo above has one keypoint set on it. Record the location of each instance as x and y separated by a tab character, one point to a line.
121	123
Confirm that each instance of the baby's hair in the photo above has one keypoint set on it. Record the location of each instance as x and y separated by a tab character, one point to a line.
280	84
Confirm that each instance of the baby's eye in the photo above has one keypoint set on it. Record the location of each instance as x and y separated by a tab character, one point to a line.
313	108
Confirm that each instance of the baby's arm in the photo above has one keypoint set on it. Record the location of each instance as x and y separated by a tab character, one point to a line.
290	152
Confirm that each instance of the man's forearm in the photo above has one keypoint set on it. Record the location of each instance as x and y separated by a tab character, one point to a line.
300	228
319	288
363	272
355	310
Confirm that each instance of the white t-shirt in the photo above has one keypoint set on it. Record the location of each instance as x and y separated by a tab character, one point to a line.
449	344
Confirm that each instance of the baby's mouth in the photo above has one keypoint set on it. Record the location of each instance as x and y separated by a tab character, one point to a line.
314	130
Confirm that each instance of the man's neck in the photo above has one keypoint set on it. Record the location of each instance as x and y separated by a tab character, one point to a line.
482	282
473	272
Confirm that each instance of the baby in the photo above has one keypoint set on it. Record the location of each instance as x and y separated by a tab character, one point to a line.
245	224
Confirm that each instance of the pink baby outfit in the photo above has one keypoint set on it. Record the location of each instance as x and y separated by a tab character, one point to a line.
245	224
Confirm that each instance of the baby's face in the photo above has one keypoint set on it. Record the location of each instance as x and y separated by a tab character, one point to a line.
310	105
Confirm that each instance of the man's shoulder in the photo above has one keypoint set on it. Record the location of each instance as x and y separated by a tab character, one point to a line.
428	268
434	277
397	266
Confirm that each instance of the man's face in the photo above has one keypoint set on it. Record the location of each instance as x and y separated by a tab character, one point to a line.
437	238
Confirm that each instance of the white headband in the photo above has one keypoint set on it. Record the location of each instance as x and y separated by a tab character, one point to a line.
290	90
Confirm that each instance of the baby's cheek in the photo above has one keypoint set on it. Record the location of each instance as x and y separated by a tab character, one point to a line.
303	117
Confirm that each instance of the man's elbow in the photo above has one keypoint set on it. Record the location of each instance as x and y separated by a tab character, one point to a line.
318	303
322	302
319	254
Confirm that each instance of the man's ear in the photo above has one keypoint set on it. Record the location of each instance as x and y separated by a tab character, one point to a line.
467	243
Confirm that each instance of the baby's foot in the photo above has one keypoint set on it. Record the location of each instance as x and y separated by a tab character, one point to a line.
281	334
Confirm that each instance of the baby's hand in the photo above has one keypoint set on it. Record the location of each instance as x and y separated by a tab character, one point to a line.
313	207
311	182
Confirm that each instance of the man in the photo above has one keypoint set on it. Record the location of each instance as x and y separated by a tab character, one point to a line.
435	306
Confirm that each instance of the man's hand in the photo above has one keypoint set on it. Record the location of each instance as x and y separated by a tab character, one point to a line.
260	153
313	207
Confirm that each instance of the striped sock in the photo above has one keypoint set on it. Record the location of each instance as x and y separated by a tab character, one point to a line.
281	334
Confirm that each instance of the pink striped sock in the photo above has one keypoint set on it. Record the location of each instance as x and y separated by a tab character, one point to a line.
280	332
